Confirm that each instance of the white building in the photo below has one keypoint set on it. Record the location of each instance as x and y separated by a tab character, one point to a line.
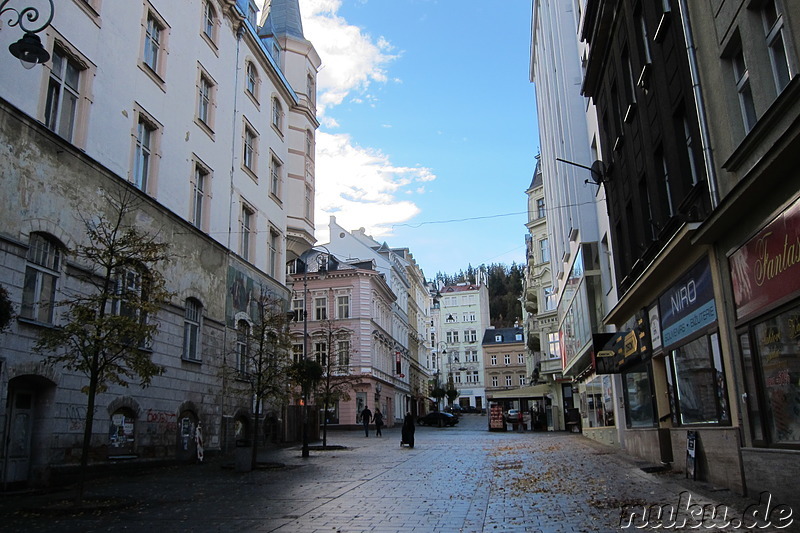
210	124
463	318
579	243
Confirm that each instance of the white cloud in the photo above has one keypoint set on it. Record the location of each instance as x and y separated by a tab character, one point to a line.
360	185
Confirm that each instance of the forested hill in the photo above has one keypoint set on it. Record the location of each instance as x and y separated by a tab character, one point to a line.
505	290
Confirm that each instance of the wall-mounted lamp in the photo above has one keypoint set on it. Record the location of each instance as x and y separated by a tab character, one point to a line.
28	49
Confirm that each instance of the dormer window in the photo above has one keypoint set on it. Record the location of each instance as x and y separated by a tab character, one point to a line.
498	338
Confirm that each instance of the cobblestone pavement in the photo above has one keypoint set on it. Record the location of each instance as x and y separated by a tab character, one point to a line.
462	479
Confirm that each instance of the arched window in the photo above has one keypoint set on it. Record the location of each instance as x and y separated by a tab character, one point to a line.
277	114
41	275
252	80
122	432
191	330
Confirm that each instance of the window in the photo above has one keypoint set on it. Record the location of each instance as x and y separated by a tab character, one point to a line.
343	353
297	352
191	330
690	156
521	380
250	149
245	231
599	402
252	11
540	210
308	203
242	346
63	95
275	177
773	28
274	252
507	359
200	187
553	346
252	80
451	337
696	382
521	359
494	360
298	304
629	84
550	299
310	89
644	40
321	352
742	78
470	335
129	292
665	180
509	380
41	276
155	52
495	381
277	114
544	250
205	100
209	21
309	144
473	376
320	308
143	150
343	306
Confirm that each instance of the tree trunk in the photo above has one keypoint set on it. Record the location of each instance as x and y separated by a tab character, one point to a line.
87	434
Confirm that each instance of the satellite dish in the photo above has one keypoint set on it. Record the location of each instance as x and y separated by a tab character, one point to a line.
598	172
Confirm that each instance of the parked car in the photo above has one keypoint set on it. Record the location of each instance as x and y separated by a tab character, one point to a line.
454	409
512	416
470	409
438	418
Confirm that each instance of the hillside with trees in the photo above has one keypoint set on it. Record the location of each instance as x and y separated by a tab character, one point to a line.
505	289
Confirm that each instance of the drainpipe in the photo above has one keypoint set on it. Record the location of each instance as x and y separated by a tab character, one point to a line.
705	137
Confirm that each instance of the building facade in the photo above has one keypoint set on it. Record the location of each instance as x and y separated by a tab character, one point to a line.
463	316
224	176
748	60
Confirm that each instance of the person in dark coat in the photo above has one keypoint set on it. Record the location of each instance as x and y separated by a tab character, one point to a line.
366	418
407	433
378	419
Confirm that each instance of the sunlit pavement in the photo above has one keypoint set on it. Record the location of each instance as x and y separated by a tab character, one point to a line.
462	479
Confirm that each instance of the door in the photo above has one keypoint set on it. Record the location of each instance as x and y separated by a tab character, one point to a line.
20	430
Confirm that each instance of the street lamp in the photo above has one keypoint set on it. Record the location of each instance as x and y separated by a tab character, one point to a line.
28	49
322	267
439	353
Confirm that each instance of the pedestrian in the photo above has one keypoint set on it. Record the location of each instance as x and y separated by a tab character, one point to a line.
366	416
407	433
378	418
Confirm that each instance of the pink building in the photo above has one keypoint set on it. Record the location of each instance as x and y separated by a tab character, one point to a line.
348	330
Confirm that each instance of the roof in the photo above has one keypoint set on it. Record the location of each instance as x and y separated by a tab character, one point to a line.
284	18
508	336
460	288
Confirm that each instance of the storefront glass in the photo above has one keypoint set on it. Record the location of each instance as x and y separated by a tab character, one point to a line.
599	402
639	397
777	342
700	382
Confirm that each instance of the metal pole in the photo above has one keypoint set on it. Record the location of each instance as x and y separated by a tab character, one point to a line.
305	357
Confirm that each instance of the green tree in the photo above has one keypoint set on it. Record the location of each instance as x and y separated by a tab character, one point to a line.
105	330
337	378
305	374
261	363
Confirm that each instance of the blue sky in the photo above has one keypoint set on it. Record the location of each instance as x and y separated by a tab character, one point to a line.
427	116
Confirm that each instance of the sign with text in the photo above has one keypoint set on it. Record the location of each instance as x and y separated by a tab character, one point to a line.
767	268
688	306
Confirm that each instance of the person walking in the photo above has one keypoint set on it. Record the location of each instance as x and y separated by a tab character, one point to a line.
378	418
407	434
366	416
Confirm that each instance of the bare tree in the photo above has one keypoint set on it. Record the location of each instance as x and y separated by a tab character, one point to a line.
260	369
105	330
337	375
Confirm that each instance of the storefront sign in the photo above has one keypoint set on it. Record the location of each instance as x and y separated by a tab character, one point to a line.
615	351
767	267
688	306
655	327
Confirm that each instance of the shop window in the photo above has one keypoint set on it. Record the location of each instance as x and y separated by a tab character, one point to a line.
600	402
639	397
776	355
699	389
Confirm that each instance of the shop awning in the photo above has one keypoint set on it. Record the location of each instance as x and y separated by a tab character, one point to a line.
522	392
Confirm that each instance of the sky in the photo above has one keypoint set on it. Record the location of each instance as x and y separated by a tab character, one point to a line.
428	125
